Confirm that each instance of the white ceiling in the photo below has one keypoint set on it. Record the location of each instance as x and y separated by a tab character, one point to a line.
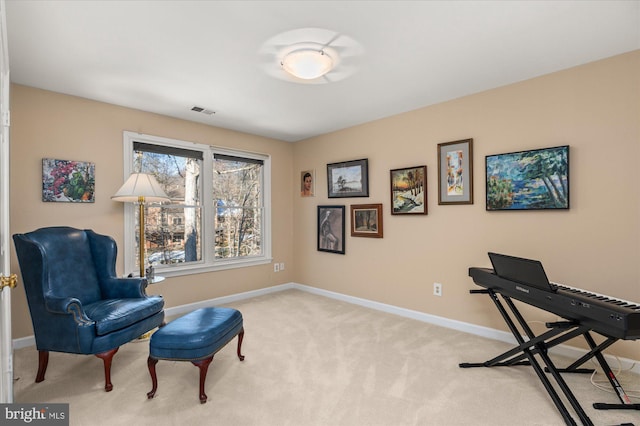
396	56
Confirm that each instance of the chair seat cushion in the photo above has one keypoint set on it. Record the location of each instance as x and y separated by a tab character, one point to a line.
196	335
114	314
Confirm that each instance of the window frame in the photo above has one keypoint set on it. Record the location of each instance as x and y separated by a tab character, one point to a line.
208	263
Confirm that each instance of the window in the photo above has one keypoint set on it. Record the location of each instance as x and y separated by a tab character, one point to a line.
237	195
177	170
218	216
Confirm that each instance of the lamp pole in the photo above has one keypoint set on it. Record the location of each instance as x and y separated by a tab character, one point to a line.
141	238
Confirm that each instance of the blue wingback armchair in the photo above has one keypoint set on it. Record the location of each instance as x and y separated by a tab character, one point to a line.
77	303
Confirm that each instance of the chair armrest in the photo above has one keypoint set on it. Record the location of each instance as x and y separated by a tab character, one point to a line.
66	306
123	288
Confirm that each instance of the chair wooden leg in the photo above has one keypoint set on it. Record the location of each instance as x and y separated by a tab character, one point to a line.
107	357
43	361
203	364
240	337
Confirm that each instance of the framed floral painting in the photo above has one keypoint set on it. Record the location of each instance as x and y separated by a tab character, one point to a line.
65	181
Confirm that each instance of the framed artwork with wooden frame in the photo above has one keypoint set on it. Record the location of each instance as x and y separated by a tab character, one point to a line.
366	220
409	190
331	229
348	179
455	172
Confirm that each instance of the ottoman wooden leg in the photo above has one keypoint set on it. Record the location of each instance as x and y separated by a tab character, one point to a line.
240	337
151	363
203	365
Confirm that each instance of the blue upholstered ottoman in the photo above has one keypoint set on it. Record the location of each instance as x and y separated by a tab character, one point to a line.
195	337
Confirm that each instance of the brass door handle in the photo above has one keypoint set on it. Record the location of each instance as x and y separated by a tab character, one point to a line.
11	281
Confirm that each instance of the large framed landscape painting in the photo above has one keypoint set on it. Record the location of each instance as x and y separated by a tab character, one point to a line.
537	179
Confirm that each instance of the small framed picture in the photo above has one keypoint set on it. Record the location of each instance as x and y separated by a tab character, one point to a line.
66	181
307	183
348	179
331	229
366	220
455	172
409	190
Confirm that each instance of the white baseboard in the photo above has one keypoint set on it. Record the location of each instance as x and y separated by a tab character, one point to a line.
183	309
24	342
489	333
477	330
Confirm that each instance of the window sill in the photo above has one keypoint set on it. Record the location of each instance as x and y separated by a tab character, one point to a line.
180	270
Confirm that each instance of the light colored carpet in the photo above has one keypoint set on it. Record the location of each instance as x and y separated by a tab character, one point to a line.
311	360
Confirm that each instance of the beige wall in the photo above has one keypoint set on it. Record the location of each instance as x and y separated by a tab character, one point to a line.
51	125
595	245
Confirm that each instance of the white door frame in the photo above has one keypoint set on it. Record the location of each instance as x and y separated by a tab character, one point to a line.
6	346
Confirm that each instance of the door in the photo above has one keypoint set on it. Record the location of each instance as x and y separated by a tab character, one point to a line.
6	346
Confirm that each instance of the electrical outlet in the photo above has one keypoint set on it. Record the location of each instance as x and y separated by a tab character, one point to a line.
282	266
276	267
437	289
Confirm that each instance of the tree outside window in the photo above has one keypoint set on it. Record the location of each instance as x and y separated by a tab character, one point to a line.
237	194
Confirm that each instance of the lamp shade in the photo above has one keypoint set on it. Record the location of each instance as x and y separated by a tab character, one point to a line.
140	185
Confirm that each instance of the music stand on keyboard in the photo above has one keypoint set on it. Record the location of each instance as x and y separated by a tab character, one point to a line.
525	271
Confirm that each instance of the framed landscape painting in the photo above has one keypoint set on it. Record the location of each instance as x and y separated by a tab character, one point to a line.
528	180
366	220
409	190
348	179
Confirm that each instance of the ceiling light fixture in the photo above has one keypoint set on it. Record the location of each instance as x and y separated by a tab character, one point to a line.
307	64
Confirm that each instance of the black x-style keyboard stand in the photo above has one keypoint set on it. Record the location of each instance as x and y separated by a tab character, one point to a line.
559	332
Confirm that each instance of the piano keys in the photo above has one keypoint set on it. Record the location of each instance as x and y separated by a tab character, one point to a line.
606	315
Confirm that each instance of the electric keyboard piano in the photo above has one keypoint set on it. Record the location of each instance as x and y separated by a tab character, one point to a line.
583	312
606	315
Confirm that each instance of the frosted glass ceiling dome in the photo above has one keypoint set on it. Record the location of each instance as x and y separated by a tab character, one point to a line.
307	64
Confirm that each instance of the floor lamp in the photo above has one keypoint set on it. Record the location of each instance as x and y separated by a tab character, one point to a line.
141	188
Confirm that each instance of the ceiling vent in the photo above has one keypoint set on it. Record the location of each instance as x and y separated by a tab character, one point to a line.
203	110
